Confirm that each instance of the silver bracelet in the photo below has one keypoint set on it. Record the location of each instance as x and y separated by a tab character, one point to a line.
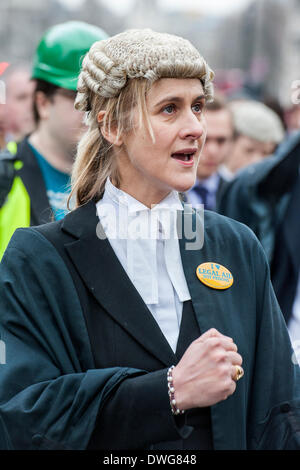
171	392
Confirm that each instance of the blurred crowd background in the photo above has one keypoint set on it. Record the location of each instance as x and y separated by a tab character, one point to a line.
251	44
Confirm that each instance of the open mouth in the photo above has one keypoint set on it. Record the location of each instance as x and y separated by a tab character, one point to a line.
184	156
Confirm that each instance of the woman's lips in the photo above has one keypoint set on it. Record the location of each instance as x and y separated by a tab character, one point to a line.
185	157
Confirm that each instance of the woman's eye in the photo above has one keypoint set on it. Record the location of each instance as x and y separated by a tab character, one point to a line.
197	108
169	109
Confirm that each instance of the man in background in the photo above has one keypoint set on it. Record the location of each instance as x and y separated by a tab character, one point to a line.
257	132
16	114
217	146
266	197
35	183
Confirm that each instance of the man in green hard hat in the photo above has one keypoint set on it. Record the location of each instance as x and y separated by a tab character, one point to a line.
34	183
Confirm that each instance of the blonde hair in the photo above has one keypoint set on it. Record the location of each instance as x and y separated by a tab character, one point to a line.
94	162
116	76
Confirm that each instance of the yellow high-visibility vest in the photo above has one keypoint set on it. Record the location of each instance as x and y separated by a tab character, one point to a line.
15	212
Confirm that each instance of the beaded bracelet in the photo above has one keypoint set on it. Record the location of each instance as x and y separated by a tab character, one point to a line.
171	392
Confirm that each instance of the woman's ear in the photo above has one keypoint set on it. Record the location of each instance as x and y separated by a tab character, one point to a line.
110	134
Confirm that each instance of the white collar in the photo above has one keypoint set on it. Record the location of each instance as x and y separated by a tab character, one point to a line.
170	202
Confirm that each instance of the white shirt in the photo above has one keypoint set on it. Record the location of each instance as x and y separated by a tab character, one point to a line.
146	244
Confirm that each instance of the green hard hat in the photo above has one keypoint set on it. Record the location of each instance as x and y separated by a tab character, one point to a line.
60	52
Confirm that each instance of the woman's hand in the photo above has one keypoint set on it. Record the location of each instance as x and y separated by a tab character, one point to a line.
204	375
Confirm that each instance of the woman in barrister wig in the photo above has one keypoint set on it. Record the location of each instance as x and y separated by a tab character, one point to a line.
135	322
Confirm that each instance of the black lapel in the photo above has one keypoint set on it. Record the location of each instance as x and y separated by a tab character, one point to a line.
203	298
33	180
106	279
191	259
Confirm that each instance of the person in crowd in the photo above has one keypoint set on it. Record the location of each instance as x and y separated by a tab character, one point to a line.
18	108
35	183
266	197
257	132
190	360
209	183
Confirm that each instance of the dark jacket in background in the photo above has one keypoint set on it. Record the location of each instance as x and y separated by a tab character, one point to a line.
265	196
23	196
32	178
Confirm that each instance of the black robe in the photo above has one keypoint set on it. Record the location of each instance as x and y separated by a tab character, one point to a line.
53	396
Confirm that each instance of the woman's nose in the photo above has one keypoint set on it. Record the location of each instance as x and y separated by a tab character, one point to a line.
193	127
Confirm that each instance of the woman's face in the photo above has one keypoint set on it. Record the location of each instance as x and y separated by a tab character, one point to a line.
150	170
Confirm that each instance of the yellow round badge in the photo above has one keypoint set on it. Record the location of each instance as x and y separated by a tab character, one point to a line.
214	275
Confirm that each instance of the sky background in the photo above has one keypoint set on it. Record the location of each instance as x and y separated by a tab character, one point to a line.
217	7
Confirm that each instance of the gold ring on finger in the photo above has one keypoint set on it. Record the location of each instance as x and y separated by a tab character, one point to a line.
239	372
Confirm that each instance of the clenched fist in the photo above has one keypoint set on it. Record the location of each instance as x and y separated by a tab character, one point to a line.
204	375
